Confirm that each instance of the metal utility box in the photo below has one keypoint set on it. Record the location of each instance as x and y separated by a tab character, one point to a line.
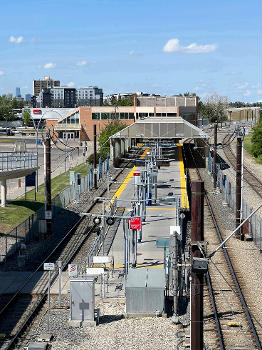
82	298
145	291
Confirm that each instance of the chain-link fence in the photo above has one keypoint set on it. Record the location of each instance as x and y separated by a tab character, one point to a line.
34	225
254	227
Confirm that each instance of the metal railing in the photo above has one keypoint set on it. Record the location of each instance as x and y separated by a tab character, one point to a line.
17	160
229	192
31	228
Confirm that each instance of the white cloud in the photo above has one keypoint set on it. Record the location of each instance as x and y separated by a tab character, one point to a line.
242	85
81	63
17	40
173	46
247	93
131	52
49	65
1	72
70	84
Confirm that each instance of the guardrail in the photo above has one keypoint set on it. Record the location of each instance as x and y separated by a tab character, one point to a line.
17	160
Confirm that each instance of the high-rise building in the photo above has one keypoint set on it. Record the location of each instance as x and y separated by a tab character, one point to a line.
65	97
47	83
17	92
28	97
89	96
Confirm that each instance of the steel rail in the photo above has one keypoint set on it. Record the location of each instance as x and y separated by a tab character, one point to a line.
44	296
230	265
213	302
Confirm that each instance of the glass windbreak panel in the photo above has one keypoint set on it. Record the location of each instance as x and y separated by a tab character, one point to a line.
96	116
131	115
104	116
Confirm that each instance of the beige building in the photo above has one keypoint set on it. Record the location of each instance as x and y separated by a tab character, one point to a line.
38	85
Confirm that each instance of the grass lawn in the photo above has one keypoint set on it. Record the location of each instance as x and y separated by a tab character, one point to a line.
7	140
19	210
248	148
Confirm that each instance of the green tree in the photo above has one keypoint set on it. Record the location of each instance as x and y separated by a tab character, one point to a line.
214	108
6	109
257	139
26	117
125	102
103	141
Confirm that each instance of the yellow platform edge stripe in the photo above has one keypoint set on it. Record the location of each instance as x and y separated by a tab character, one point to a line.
127	179
184	197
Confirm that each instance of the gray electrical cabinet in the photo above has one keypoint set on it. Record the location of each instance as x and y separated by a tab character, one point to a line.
145	291
82	298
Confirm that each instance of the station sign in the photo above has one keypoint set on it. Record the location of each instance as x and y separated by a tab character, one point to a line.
49	266
37	111
135	223
72	270
101	259
95	270
137	178
48	214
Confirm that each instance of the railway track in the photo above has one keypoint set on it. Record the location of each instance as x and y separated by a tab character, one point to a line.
249	177
22	307
227	313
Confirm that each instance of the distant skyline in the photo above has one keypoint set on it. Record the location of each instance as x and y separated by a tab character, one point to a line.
157	47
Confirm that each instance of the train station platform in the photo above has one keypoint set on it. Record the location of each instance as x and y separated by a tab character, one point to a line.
171	183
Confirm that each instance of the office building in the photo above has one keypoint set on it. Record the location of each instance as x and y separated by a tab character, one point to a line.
77	123
17	92
46	83
89	96
28	97
65	97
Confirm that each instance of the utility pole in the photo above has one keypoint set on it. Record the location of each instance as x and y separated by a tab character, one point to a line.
215	157
238	183
197	235
48	206
95	161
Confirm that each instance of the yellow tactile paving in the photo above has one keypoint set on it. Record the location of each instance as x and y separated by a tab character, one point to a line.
127	179
184	197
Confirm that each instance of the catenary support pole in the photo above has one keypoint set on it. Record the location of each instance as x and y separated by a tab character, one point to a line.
238	182
215	157
197	234
48	182
95	160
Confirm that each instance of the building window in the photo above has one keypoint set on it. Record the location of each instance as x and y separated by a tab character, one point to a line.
105	115
96	116
131	115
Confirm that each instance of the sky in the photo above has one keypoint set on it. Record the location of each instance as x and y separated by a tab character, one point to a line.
165	47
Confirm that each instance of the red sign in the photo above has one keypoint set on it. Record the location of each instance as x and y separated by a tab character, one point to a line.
136	174
135	223
37	111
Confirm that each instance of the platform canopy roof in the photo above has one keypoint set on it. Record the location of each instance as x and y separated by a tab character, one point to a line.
162	128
